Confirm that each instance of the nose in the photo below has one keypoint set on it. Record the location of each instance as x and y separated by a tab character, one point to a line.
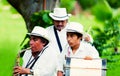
60	23
68	38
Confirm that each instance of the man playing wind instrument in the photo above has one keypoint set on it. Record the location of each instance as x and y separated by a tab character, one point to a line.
41	59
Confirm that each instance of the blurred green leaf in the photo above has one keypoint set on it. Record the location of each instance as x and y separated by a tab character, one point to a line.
41	19
68	4
102	10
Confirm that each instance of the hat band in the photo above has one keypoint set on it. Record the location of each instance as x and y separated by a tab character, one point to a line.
71	30
35	34
60	17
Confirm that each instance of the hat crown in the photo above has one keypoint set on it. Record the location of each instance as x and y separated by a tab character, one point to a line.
75	27
39	31
60	12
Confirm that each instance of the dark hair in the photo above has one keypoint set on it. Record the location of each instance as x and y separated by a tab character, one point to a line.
43	40
76	33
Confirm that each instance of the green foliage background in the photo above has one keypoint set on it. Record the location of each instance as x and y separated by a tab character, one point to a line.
13	31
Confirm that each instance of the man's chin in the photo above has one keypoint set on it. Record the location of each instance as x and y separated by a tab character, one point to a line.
60	28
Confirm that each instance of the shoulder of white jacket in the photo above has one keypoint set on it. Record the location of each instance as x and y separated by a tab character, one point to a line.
50	27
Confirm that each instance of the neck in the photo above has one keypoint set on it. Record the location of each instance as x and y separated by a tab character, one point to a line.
35	54
75	47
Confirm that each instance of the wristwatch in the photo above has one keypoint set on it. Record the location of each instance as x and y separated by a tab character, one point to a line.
31	71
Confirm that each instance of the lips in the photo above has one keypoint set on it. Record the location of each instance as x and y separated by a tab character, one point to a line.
32	48
69	43
59	25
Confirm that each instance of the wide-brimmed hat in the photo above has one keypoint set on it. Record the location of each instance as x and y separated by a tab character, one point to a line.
59	14
39	31
75	27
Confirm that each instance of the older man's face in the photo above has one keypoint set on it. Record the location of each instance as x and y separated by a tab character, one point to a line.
36	44
59	25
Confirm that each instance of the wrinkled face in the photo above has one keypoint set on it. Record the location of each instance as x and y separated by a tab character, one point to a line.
36	44
73	39
59	25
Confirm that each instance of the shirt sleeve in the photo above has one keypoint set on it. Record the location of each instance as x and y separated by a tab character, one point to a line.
93	51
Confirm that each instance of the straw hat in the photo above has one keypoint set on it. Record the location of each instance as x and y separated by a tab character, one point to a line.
39	31
59	14
75	27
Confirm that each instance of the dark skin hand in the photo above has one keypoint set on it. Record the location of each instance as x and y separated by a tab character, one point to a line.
20	70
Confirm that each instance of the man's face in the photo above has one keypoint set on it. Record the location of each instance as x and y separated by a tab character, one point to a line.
73	39
36	44
59	25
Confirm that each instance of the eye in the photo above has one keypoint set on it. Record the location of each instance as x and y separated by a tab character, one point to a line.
35	39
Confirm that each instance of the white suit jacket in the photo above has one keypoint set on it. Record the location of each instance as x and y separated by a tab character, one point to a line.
46	63
62	37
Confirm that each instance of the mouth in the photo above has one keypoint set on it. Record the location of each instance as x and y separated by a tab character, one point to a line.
69	43
59	26
32	48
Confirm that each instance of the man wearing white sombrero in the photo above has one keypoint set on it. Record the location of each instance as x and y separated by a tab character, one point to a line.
76	48
40	59
57	32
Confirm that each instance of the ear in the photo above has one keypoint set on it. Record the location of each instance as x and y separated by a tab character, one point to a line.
81	38
44	44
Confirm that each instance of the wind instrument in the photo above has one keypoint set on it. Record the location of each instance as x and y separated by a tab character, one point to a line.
19	55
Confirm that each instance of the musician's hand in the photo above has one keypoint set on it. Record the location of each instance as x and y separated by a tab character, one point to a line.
87	39
20	70
88	58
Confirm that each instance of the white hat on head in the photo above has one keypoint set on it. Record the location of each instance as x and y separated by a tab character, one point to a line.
39	31
75	27
59	14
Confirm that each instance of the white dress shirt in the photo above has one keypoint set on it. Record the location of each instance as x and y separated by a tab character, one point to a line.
46	63
85	49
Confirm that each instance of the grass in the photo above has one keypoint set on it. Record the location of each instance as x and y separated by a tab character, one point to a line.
12	32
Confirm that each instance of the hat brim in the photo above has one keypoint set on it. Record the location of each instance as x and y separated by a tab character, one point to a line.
35	34
70	30
59	18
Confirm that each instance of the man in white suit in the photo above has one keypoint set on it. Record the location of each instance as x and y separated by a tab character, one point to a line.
41	59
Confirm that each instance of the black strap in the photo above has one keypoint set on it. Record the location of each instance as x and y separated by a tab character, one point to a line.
32	64
35	60
58	40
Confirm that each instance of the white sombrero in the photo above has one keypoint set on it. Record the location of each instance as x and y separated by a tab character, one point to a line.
39	31
75	27
59	14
